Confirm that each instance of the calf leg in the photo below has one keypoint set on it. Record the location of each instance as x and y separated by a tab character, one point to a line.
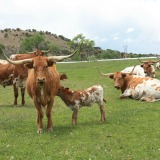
15	94
22	94
74	117
103	114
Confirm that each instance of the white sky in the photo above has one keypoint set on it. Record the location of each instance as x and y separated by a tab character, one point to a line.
112	24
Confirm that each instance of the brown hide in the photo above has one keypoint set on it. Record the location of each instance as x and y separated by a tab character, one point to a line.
42	85
5	71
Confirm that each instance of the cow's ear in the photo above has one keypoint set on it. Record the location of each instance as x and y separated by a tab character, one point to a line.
63	76
51	63
124	75
111	76
28	65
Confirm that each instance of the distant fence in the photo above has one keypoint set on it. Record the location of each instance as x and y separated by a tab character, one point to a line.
119	59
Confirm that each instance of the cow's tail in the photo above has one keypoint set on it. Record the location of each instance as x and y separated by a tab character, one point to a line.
104	100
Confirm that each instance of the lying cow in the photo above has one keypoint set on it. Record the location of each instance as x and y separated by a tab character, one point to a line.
136	87
136	70
158	65
77	99
148	67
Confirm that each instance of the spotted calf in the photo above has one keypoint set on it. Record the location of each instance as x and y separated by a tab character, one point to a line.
87	97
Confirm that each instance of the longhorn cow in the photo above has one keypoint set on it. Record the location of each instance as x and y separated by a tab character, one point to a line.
148	67
136	87
42	84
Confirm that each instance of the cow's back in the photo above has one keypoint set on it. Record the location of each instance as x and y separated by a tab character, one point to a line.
138	70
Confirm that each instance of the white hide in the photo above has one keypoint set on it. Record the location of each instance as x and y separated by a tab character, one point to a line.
138	70
148	89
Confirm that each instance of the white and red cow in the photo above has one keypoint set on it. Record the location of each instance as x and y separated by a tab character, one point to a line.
87	97
136	87
42	84
148	67
20	73
135	70
158	65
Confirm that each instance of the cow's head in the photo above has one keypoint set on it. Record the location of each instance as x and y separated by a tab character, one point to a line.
119	79
39	52
64	91
147	66
40	65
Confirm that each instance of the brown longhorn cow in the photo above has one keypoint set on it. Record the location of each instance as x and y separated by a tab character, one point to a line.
6	74
20	73
148	67
42	84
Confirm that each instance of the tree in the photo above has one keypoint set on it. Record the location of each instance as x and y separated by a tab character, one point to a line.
85	46
37	41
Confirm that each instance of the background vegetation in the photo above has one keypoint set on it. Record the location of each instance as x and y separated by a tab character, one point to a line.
131	131
20	41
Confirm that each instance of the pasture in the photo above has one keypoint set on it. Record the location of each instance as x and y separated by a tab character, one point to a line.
131	132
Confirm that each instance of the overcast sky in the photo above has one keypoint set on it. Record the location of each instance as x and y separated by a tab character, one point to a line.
112	24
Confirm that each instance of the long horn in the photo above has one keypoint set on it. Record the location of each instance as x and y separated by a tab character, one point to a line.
61	58
142	61
156	61
132	70
17	61
107	74
46	51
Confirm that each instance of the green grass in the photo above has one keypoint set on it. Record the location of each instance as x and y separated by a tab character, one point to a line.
131	131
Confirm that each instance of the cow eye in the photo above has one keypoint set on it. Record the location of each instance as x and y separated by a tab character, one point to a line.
46	67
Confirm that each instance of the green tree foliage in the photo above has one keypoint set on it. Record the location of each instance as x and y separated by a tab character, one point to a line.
85	46
37	41
109	54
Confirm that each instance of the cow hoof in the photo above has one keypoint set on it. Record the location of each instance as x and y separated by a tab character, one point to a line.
50	130
39	131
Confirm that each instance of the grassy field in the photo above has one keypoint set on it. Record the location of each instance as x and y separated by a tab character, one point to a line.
131	132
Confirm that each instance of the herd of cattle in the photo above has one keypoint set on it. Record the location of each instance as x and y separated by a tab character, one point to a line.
37	73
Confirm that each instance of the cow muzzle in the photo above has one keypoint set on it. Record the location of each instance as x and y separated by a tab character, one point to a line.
41	81
117	86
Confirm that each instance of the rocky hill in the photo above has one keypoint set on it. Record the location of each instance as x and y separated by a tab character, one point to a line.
12	38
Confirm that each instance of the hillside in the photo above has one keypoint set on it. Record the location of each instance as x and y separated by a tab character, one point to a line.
12	38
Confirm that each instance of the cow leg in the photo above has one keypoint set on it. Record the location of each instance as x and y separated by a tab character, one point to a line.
74	116
49	115
22	94
15	94
39	117
103	114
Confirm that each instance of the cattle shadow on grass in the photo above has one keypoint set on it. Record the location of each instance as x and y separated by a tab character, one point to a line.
12	106
68	128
